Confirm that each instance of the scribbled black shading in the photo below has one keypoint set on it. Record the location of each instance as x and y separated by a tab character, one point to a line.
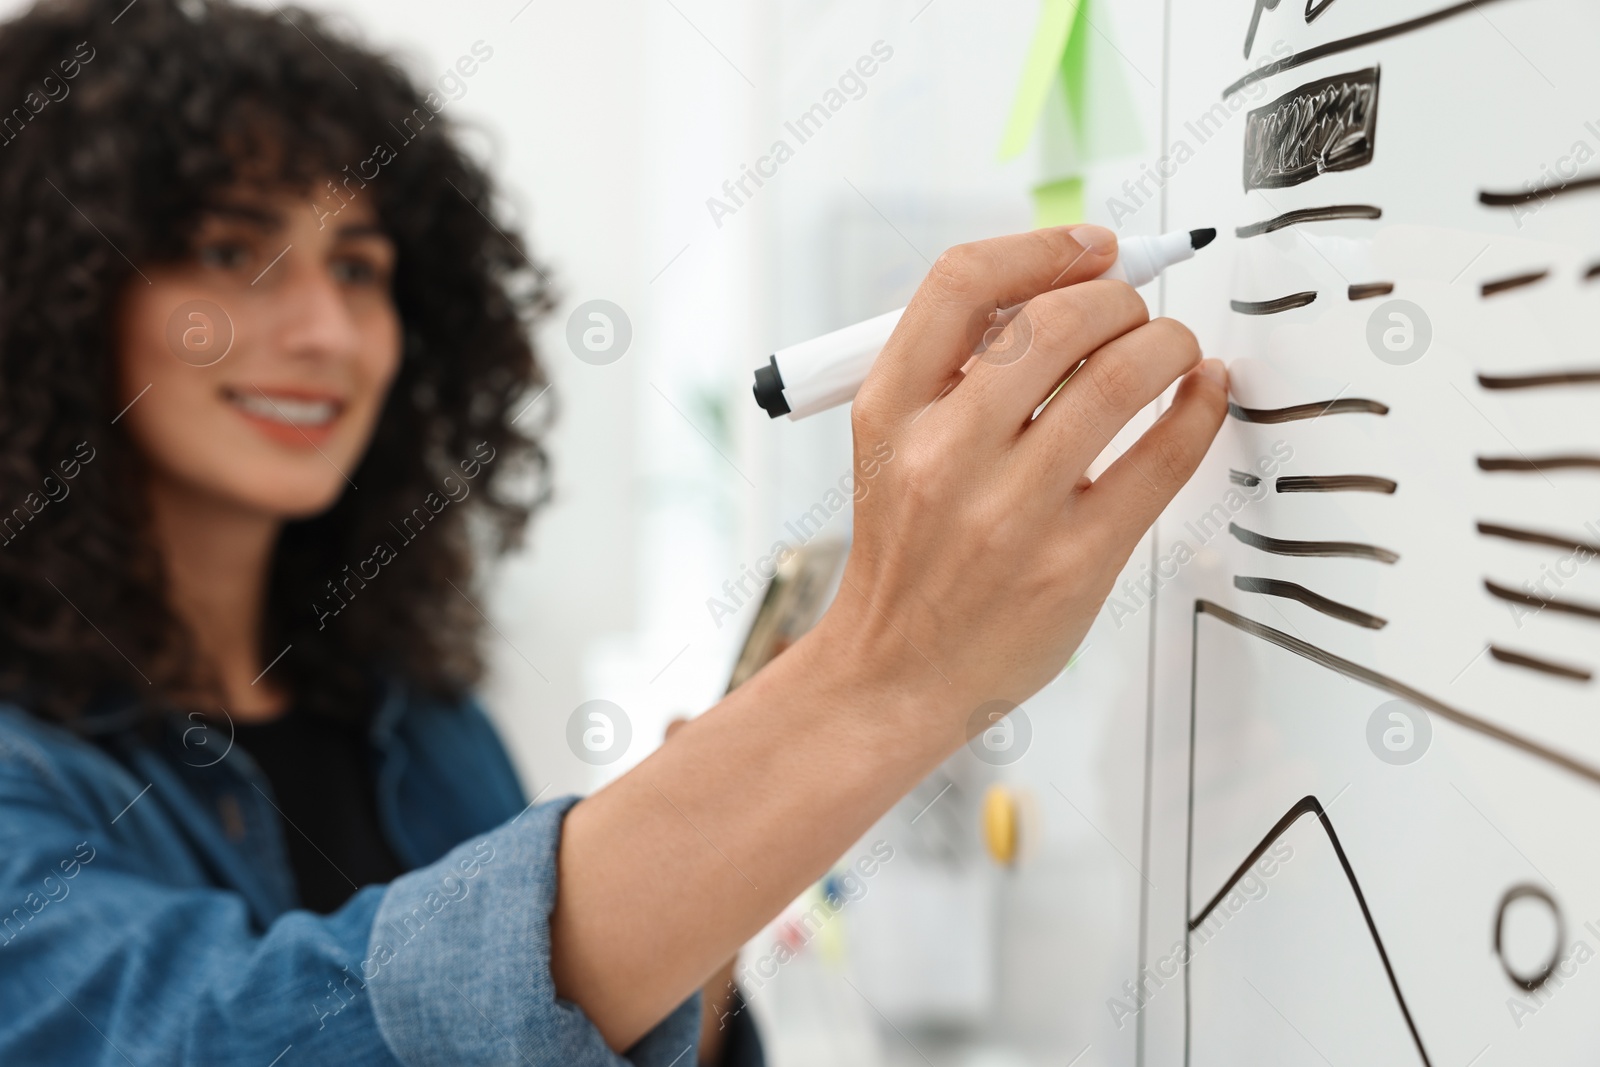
1325	125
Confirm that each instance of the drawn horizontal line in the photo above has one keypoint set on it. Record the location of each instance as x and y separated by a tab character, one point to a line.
1516	281
1307	806
1273	307
1279	547
1315	601
1592	273
1534	663
1310	214
1537	381
1542	192
1368	290
1298	412
1533	537
1539	466
1517	596
1346	44
1397	688
1337	483
1249	481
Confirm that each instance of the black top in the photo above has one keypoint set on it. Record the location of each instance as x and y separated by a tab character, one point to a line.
320	770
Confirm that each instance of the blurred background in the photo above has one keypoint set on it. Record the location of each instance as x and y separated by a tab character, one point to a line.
612	125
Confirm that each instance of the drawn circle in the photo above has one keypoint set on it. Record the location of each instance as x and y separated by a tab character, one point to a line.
199	332
999	733
1004	334
599	732
1399	732
1399	332
599	332
1529	981
204	738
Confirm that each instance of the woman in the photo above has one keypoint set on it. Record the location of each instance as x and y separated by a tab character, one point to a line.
264	384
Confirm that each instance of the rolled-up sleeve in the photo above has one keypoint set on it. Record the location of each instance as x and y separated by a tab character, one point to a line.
111	952
460	961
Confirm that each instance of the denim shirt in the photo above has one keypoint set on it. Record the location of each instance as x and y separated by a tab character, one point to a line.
147	910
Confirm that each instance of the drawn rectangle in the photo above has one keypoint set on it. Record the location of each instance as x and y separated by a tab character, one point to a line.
1322	126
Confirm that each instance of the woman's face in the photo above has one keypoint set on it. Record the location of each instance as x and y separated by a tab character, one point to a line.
254	371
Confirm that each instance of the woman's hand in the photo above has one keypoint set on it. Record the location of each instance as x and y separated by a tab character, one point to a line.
981	551
981	556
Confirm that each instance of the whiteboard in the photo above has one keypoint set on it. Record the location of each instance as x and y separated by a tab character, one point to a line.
1375	761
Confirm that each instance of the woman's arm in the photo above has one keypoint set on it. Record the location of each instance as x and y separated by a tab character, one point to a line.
980	558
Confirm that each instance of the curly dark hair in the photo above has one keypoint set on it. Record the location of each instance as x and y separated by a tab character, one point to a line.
118	138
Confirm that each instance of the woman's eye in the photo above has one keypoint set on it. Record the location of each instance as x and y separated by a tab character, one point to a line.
356	271
224	255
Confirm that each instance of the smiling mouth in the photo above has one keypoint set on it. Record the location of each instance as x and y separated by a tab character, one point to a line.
300	412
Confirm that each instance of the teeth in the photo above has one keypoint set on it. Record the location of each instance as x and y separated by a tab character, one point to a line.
287	410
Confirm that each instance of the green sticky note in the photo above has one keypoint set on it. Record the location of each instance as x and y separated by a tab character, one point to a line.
1099	98
1074	94
1057	21
1058	203
1075	68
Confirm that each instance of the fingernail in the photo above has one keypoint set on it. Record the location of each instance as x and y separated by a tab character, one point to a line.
1215	370
1097	239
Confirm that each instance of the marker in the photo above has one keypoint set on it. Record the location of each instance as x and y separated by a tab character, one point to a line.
823	373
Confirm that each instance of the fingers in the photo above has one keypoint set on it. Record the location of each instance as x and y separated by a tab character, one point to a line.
950	311
1052	334
1133	490
1116	382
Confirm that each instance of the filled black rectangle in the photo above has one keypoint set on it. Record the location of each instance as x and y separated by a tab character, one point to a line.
1322	126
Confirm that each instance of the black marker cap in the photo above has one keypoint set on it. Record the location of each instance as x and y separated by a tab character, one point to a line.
769	390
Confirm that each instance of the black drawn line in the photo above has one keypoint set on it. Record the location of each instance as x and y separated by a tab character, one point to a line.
1516	281
1399	689
1279	547
1368	290
1255	23
1308	806
1346	44
1249	481
1315	601
1533	537
1517	596
1337	483
1541	192
1535	381
1310	214
1314	8
1538	466
1592	273
1297	412
1321	126
1533	663
1272	307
